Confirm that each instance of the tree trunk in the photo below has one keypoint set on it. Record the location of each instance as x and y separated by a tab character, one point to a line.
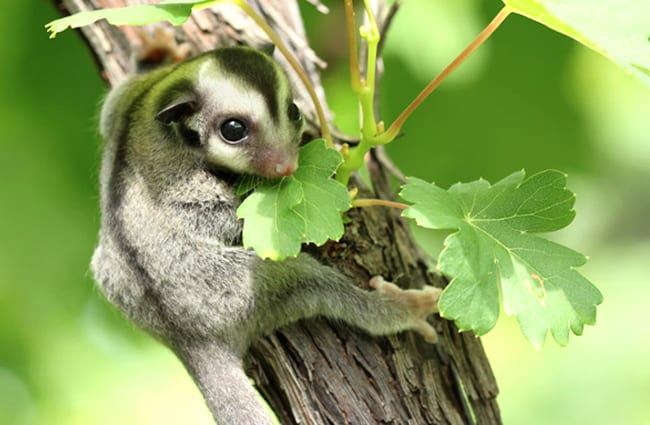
318	372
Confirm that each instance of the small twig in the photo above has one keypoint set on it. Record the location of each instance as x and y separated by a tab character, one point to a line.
385	24
385	21
394	129
296	39
363	203
352	45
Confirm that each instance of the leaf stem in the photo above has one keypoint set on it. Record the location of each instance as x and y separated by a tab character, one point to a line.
395	128
371	35
355	75
363	203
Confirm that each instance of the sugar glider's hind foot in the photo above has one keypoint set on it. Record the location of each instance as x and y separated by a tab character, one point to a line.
156	45
419	303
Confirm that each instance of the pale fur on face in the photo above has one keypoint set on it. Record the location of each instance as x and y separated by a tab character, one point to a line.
224	98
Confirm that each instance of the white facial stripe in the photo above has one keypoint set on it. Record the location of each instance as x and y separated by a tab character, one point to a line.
226	97
229	96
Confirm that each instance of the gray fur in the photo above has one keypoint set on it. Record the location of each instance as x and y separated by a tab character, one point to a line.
169	253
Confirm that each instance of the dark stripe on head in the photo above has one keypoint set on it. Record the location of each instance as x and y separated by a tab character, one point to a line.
256	69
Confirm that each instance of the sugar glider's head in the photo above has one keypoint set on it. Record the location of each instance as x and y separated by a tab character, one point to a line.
235	107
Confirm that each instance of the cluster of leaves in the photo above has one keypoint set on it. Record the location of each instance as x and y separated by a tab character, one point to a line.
493	254
494	257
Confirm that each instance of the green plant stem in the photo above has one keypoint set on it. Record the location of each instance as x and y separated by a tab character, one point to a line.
363	203
372	133
395	128
355	75
371	35
363	88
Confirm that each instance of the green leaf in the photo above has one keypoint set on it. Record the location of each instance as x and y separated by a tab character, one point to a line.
493	254
247	183
175	12
618	29
302	208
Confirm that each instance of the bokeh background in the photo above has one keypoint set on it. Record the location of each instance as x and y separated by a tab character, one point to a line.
529	99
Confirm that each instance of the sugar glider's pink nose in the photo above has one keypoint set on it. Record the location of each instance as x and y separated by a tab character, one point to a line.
277	164
285	169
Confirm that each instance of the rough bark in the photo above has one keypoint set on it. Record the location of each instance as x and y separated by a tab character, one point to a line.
316	372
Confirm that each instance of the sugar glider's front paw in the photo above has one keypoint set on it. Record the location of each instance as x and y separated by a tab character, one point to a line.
156	45
420	303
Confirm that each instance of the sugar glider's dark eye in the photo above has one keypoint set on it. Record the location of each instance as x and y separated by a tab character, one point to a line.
294	112
233	131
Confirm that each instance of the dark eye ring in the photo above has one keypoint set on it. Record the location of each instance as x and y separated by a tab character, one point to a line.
294	112
233	131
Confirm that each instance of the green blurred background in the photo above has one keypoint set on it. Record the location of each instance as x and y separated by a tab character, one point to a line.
529	99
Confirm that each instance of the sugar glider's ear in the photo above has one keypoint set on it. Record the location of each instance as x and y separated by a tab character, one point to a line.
179	108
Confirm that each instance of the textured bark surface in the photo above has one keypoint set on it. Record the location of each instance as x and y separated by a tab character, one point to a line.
316	372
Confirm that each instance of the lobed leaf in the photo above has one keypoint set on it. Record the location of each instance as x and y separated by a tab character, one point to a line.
302	208
174	12
618	29
493	254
